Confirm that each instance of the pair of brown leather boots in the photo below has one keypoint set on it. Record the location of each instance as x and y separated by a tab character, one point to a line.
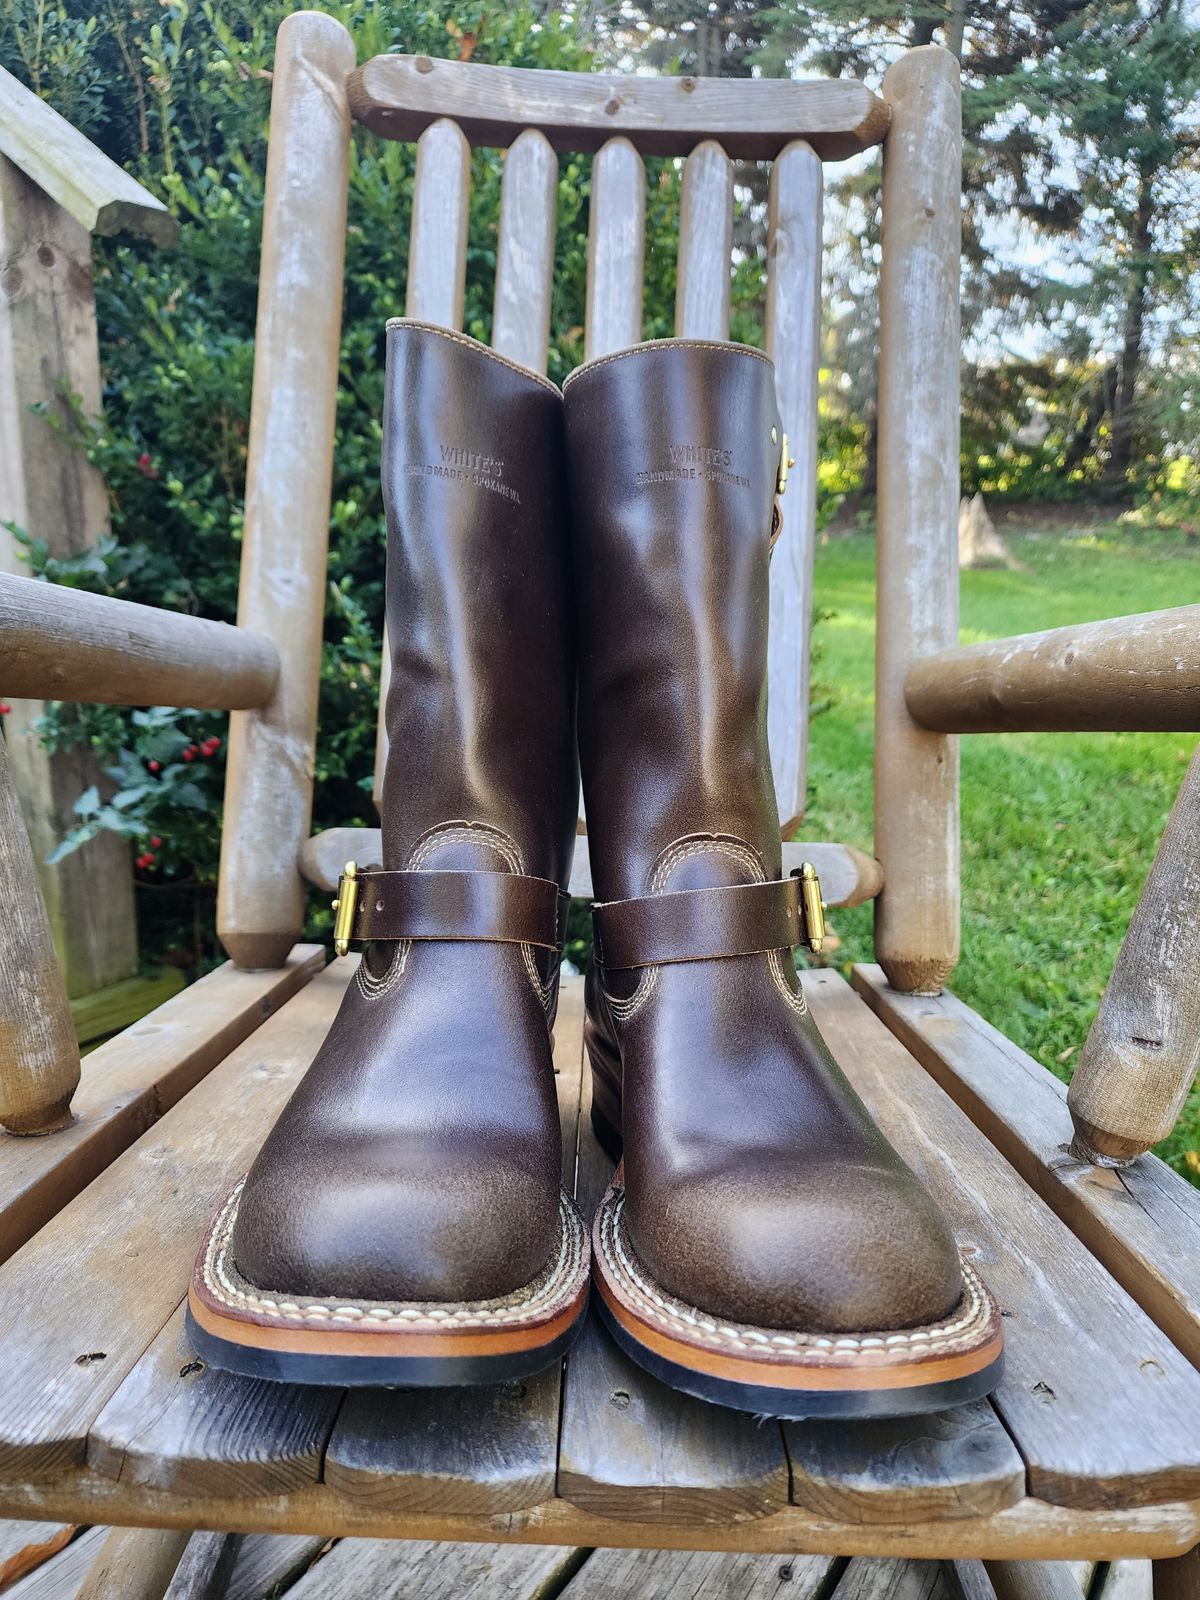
761	1245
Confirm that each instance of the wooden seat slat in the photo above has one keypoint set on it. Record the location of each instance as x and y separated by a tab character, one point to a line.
668	1575
129	1082
954	1464
81	1302
1143	1222
703	279
894	1580
1099	1402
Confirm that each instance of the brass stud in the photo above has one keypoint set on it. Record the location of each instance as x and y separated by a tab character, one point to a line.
774	435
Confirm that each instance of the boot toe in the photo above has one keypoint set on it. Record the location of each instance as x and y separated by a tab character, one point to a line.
837	1250
353	1226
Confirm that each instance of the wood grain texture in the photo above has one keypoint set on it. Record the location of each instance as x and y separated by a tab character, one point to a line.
360	1567
1140	1057
127	1084
525	251
1034	1580
632	1449
179	1425
1095	1397
39	1055
616	249
1138	672
793	330
953	1464
437	276
267	1563
205	1567
1178	1579
848	876
969	1581
49	350
24	1546
58	643
281	595
83	1299
894	1580
398	96
61	1576
916	772
704	277
1128	1580
670	1575
132	1564
1142	1223
74	172
494	1449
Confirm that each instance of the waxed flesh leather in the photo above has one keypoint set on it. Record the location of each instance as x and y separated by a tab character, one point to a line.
419	1158
757	1186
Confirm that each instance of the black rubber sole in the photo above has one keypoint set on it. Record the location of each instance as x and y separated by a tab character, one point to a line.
839	1405
377	1372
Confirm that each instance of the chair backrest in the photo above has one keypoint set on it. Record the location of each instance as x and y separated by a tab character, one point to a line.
445	107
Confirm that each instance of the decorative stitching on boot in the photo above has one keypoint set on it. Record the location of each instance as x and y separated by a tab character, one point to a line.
960	1330
664	344
556	1285
474	344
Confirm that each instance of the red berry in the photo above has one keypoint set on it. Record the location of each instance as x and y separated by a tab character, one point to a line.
144	459
190	753
211	746
155	766
156	841
5	708
143	861
144	466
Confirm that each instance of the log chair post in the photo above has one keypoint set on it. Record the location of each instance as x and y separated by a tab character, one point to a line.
39	1055
916	772
268	791
1142	1052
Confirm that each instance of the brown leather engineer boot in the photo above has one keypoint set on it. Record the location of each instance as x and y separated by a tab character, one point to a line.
762	1245
404	1222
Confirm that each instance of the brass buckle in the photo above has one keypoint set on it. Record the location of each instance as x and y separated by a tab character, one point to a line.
345	905
786	463
812	907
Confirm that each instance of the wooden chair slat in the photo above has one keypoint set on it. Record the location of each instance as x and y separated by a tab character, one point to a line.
268	786
82	1301
268	1562
848	876
26	1545
958	1463
702	283
894	1580
670	1575
435	1571
63	1574
632	1449
437	281
616	250
1038	1580
916	772
1143	1223
398	96
178	1425
793	331
1097	1399
494	1450
525	251
128	1082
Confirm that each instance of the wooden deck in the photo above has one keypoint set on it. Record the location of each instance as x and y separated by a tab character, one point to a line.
1090	1448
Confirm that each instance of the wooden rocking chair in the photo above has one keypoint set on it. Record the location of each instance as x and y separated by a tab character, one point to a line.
1091	1447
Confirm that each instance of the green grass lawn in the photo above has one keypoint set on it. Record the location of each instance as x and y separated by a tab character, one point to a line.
1058	829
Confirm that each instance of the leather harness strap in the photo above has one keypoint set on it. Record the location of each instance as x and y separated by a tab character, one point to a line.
494	907
699	924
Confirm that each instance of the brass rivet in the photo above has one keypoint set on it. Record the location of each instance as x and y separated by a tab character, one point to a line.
774	435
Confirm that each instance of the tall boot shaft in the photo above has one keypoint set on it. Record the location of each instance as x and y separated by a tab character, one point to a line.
480	712
674	453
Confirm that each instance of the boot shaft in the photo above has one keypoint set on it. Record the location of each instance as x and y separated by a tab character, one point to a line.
673	451
480	710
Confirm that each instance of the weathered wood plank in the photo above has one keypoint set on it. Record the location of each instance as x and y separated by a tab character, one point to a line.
954	1464
704	278
26	1545
969	1581
39	1054
74	172
58	643
525	251
83	1299
848	877
361	1567
61	1576
398	96
268	1562
289	473
894	1580
128	1083
1128	1580
1140	1058
1143	1223
1138	672
437	278
49	361
616	250
132	1563
793	330
1035	1580
205	1567
179	1425
632	1449
916	772
1096	1398
495	1448
669	1575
